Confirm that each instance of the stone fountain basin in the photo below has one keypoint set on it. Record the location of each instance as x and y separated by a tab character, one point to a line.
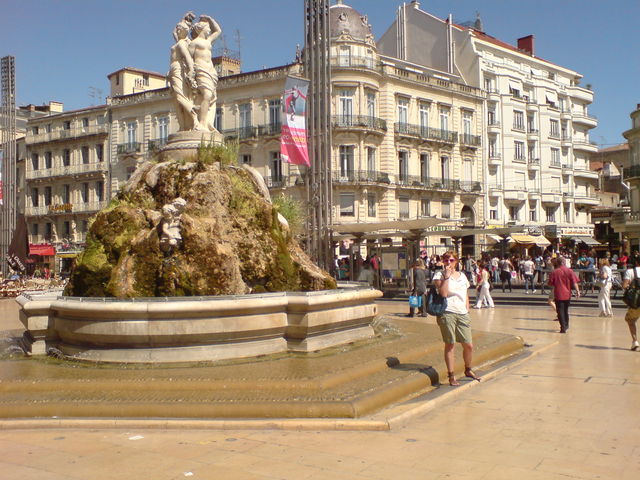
196	329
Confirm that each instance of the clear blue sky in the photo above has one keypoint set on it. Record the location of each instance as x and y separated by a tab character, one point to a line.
64	47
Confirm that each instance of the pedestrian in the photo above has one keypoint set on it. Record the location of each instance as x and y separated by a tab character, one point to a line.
469	267
605	281
484	288
563	280
454	323
495	269
633	314
506	269
417	283
366	274
528	272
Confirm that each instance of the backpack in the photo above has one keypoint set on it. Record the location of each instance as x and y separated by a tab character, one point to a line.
631	296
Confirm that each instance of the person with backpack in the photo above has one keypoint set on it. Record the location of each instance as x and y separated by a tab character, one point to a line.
632	276
506	267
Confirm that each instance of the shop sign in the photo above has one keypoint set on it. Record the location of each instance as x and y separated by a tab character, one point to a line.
65	207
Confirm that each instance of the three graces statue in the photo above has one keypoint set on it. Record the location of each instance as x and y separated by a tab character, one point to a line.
192	76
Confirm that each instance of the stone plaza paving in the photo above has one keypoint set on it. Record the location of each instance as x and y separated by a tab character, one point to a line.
568	410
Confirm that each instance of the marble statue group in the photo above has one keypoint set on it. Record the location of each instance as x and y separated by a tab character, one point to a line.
192	76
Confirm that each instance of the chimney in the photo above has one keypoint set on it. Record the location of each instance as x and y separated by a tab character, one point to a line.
416	4
527	44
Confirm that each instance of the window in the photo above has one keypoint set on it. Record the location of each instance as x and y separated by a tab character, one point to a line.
48	160
518	148
347	204
446	209
85	155
371	104
533	217
403	166
554	128
66	125
493	214
100	152
35	161
444	119
467	119
444	168
551	214
564	131
424	167
276	167
425	207
66	193
531	124
371	204
346	106
163	129
145	80
84	226
35	130
403	207
132	132
48	230
84	192
245	159
217	121
100	120
346	161
275	107
492	118
515	92
423	114
35	197
34	229
493	147
518	120
100	191
66	228
344	58
371	159
531	150
244	112
567	213
488	84
514	213
555	157
85	122
403	111
47	196
66	157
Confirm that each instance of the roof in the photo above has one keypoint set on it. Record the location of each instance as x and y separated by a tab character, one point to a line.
616	148
137	70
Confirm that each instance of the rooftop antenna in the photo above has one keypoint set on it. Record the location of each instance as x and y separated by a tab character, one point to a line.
95	93
238	43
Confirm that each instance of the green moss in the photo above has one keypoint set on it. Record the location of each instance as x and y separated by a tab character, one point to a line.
92	272
210	153
291	210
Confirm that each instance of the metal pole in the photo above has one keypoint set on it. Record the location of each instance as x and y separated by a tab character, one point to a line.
8	147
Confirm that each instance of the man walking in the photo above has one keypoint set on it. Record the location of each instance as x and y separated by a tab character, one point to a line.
633	314
563	280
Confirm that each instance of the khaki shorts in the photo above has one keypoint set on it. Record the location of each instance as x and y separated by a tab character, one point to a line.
455	327
632	315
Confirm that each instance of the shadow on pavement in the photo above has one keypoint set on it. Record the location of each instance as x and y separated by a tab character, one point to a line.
429	371
601	347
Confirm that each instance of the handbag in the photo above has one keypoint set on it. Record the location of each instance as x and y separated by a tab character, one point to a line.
415	301
436	303
631	296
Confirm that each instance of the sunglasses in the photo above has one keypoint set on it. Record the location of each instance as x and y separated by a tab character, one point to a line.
448	260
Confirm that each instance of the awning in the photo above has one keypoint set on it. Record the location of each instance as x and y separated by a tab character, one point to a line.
68	255
526	239
494	238
515	85
586	240
552	97
43	250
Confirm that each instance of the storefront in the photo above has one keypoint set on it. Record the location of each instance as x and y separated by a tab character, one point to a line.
43	257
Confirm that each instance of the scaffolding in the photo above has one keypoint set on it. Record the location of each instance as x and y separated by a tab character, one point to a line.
8	154
318	179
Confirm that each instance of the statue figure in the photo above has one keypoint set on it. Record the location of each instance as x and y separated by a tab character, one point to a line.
170	237
192	76
181	74
203	34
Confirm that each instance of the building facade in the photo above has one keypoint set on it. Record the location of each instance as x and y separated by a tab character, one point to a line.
536	122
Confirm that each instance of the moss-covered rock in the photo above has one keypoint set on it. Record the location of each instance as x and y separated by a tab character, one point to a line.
232	240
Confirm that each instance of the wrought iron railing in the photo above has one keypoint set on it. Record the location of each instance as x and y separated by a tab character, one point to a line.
131	147
360	121
427	133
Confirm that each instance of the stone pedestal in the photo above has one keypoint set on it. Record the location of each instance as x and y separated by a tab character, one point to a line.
183	145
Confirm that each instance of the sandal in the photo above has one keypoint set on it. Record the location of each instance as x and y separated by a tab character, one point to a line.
469	373
452	379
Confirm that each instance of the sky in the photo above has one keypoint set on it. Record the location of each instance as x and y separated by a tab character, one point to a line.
65	49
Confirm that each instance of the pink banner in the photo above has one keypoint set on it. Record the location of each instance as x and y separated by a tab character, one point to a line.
293	138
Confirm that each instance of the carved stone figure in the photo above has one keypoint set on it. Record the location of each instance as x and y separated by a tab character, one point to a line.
192	76
171	237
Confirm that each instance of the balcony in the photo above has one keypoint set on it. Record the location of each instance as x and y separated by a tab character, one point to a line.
567	168
583	171
89	207
470	141
515	194
63	171
129	148
495	159
61	134
519	159
354	62
533	162
585	145
532	132
361	176
551	195
555	164
585	119
492	94
253	132
555	136
566	140
493	126
359	122
425	133
157	144
631	172
61	209
586	198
